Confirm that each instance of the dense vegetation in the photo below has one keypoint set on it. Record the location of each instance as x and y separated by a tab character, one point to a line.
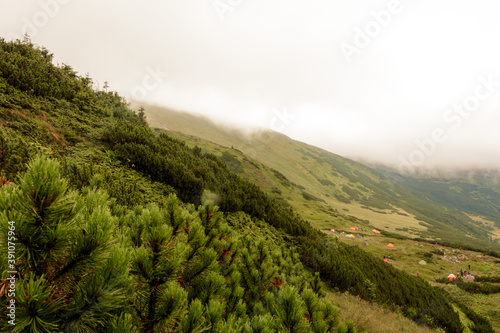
122	229
479	288
481	285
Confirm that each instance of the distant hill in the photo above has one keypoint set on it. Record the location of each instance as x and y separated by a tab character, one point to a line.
335	192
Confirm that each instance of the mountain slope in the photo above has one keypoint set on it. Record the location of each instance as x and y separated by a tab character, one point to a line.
313	180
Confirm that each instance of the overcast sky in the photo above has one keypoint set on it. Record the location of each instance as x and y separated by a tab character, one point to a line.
403	82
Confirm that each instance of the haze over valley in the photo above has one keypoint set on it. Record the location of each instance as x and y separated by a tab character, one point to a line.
407	84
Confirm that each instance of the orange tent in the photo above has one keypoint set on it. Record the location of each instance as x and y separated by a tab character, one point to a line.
375	231
390	245
386	260
353	228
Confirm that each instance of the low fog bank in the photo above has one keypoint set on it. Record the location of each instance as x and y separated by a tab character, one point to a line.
410	95
481	174
374	152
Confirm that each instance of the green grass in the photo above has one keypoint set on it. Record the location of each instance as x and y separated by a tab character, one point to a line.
406	255
373	318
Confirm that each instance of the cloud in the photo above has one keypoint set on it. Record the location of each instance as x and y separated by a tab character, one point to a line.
270	55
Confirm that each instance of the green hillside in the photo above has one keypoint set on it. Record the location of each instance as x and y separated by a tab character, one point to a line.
329	190
110	226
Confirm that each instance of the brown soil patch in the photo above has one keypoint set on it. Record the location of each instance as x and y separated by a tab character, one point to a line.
50	128
17	112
